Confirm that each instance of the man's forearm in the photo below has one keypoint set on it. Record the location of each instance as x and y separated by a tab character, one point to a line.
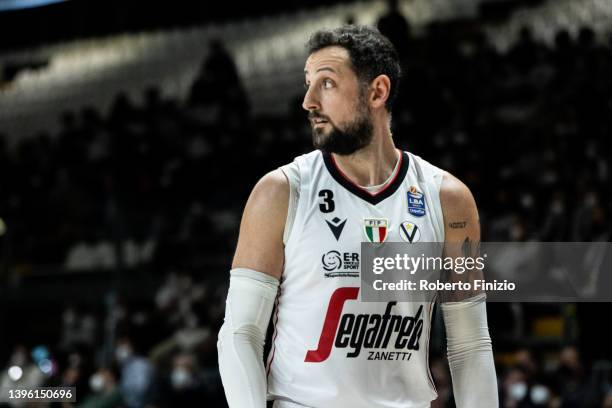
250	301
470	354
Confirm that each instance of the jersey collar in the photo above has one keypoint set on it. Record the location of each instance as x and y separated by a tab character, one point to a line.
372	198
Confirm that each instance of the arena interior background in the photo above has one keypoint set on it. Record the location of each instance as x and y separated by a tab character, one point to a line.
131	134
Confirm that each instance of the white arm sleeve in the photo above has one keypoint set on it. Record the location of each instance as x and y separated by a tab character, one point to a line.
248	308
470	354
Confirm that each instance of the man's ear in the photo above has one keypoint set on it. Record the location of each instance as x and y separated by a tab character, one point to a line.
380	89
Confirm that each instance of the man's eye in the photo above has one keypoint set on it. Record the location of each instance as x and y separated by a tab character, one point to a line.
328	83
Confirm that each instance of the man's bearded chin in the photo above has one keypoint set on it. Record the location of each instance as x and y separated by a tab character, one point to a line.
357	135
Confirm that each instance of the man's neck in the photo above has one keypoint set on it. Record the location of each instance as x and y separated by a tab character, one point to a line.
373	164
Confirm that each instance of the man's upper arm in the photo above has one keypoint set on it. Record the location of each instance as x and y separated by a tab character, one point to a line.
460	213
469	349
461	228
260	243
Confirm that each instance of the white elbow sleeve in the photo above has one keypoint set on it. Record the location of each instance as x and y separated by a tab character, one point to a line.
248	308
470	354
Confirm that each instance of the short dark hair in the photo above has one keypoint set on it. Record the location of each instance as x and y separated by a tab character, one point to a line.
371	53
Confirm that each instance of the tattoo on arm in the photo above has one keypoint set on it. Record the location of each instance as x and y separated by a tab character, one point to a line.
457	225
470	248
465	248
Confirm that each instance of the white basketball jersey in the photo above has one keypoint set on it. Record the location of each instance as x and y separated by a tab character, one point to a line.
330	350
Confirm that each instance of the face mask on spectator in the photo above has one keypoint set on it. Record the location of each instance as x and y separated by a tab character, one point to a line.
122	353
18	358
96	383
180	378
518	391
539	395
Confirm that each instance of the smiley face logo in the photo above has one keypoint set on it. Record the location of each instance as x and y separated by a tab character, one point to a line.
331	260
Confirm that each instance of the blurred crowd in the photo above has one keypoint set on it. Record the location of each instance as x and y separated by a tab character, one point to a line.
161	354
159	187
530	380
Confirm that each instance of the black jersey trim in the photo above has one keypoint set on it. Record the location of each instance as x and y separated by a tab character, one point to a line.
360	192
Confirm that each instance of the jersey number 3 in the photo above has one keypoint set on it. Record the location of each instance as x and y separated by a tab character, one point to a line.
328	204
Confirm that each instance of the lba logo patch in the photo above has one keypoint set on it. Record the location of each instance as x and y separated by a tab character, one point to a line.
409	232
416	202
376	229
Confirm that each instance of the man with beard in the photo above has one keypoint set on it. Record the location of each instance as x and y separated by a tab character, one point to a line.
299	248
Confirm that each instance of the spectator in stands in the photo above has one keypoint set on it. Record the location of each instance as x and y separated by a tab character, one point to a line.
137	374
395	27
571	377
219	86
187	388
106	393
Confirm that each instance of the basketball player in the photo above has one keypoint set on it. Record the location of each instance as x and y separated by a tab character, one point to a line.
299	248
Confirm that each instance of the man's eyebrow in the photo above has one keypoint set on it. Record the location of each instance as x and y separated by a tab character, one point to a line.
323	69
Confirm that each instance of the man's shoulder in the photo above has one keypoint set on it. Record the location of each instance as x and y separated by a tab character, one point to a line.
425	170
276	183
307	158
304	162
423	164
454	194
273	185
452	189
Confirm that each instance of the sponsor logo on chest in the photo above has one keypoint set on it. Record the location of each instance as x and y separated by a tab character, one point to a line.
387	336
340	264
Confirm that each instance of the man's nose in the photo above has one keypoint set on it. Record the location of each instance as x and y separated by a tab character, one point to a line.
311	102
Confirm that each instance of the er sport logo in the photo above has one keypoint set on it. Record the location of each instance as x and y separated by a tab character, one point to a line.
340	264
